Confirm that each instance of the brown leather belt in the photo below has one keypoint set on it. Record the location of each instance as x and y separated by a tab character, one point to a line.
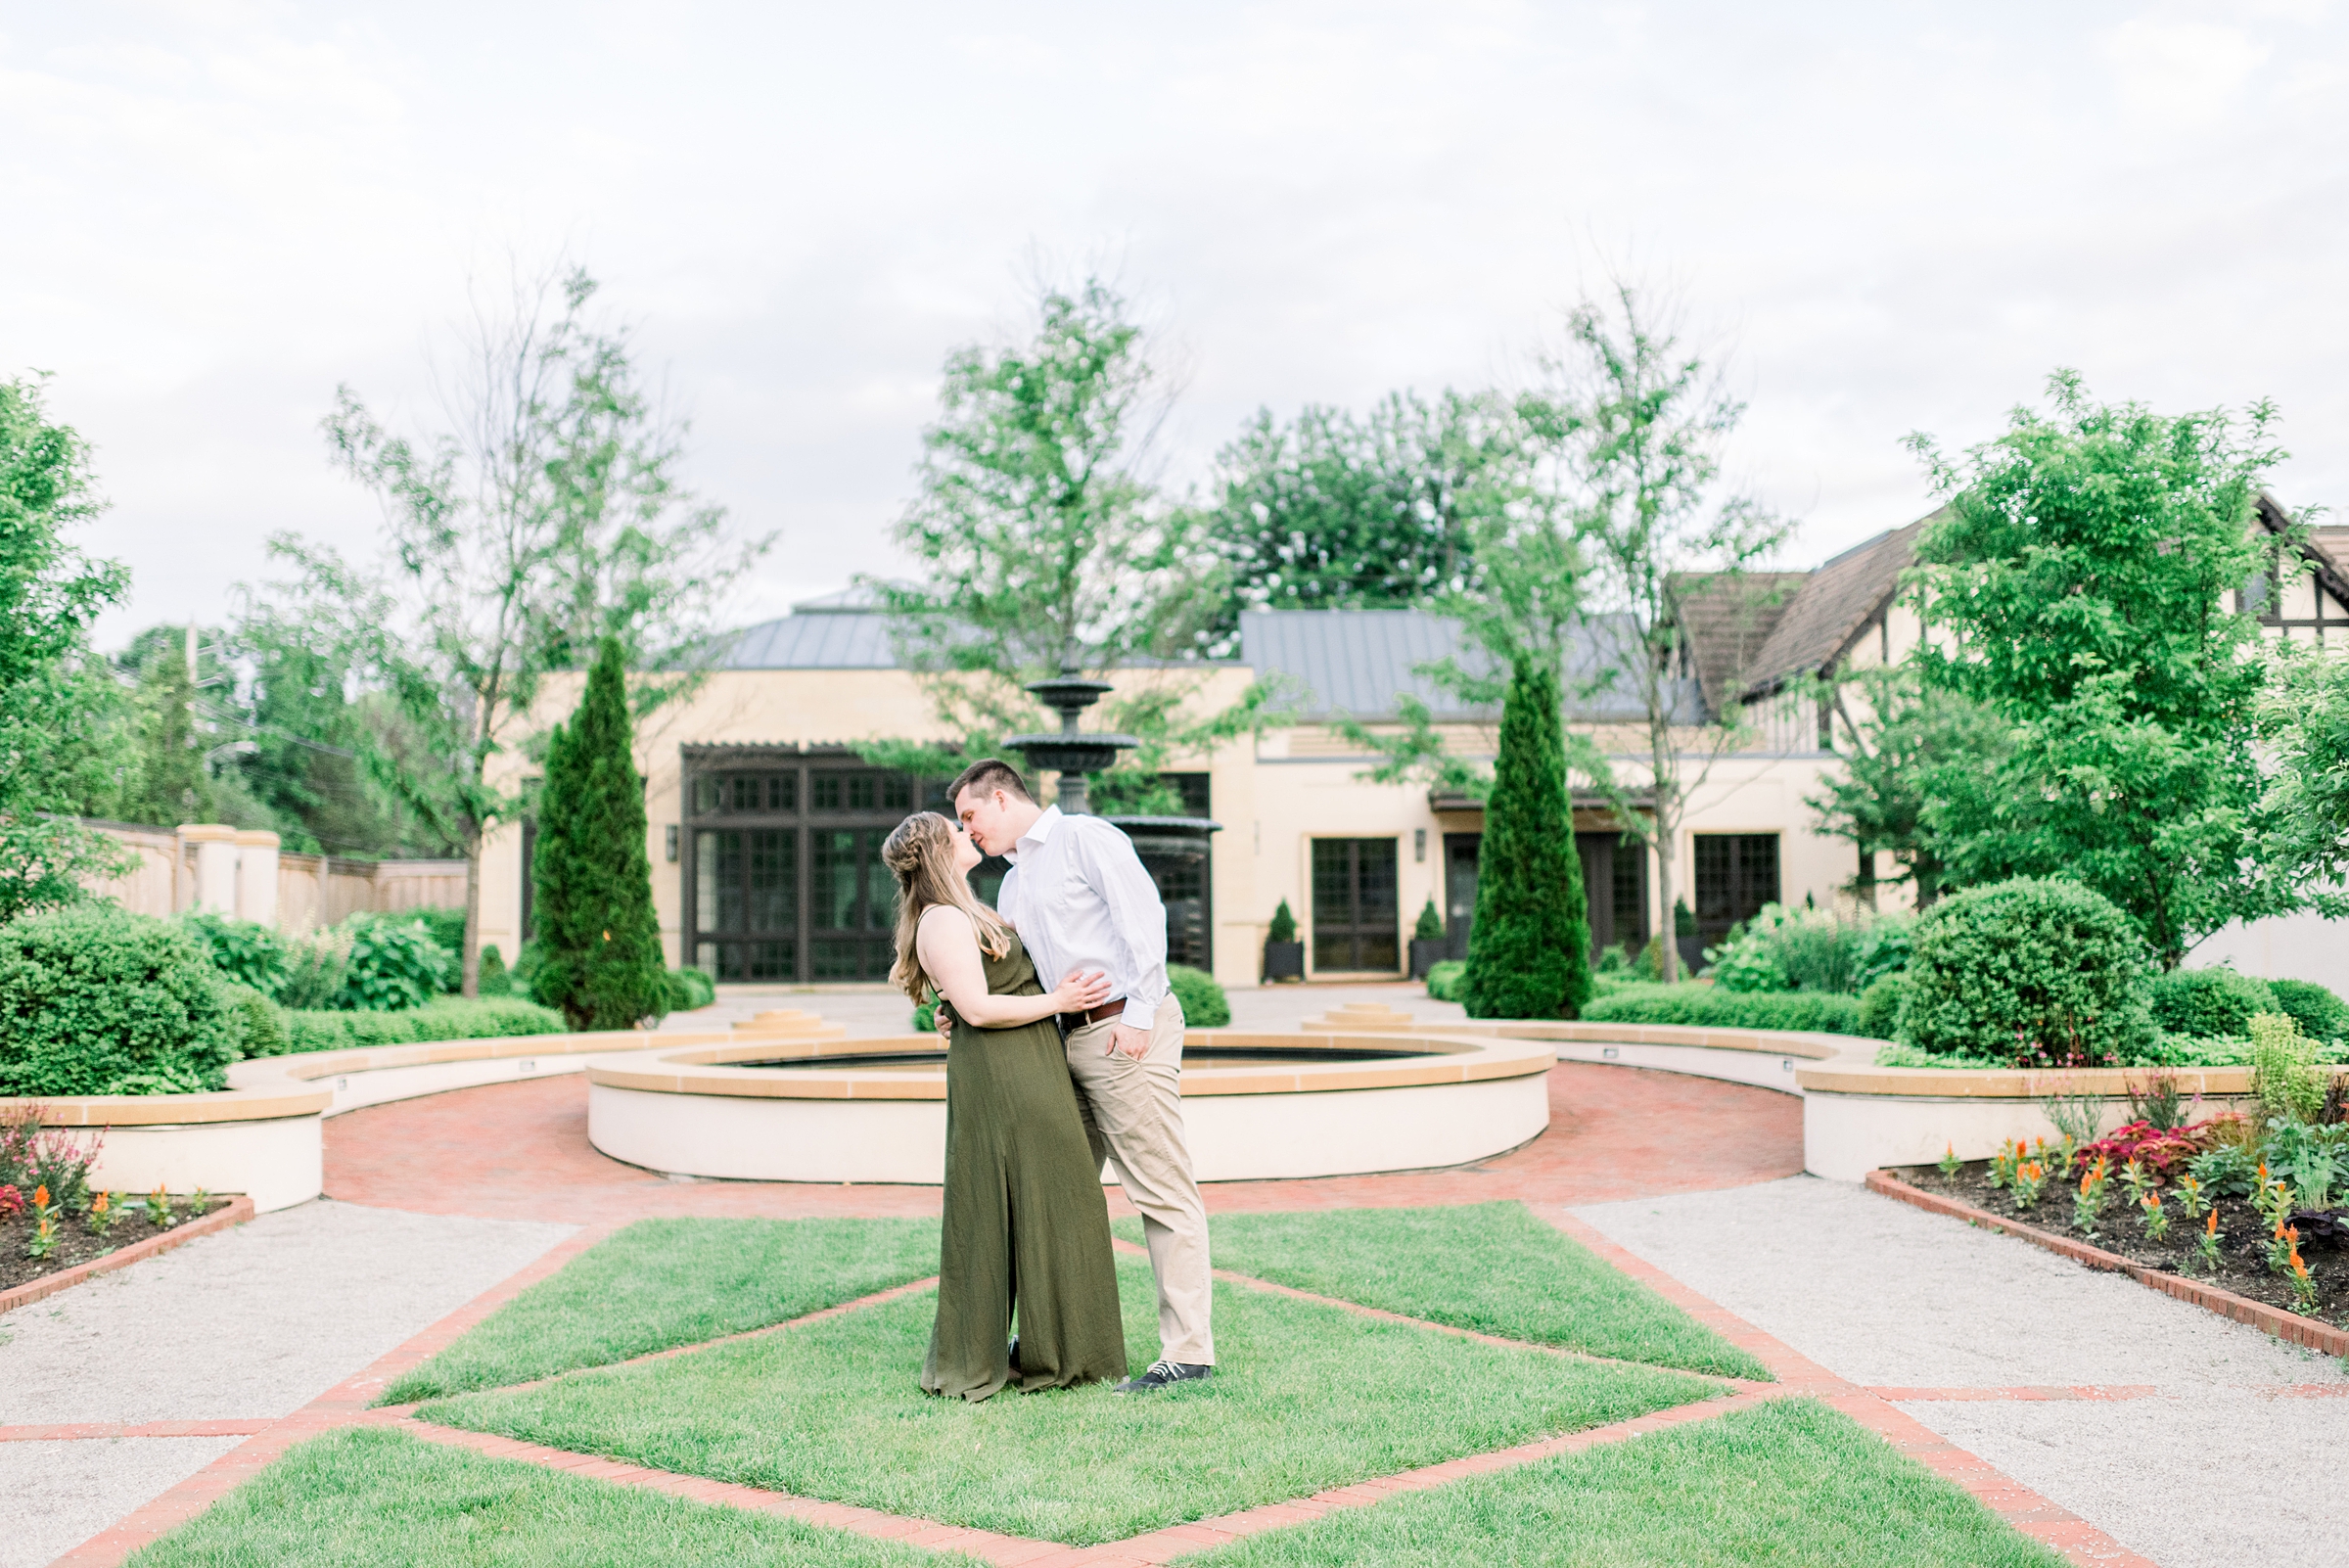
1070	1023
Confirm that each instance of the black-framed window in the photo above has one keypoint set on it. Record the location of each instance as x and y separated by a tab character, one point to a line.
1459	890
1737	874
1355	921
782	865
1614	890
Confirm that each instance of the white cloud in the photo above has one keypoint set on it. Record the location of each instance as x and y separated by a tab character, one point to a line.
2189	71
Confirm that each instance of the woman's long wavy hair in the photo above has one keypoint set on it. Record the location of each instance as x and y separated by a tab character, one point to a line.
920	854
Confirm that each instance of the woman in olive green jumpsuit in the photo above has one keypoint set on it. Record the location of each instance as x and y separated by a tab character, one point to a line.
1025	1226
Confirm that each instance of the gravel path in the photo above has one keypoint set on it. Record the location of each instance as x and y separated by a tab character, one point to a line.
254	1321
2216	1470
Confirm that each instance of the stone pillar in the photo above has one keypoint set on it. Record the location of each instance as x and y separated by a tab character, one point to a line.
256	876
215	847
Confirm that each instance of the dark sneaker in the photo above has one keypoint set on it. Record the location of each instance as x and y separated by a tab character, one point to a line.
1162	1373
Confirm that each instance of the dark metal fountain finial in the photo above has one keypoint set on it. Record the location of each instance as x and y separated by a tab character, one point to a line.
1071	752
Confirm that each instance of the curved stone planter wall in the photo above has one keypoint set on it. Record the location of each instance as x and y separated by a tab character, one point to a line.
262	1135
1444	1101
1858	1117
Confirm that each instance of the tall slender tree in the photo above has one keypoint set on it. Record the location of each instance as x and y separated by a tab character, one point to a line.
1529	952
1635	425
599	939
551	514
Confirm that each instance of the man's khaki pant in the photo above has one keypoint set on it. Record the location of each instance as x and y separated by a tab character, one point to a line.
1133	1117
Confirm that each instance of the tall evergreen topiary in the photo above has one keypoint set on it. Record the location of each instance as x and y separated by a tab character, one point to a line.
1529	950
599	940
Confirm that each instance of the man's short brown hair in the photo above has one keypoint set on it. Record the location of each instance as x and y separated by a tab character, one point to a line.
986	777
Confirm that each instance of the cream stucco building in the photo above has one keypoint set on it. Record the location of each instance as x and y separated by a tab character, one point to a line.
765	825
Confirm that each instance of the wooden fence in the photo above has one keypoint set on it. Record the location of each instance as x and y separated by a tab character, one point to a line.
313	890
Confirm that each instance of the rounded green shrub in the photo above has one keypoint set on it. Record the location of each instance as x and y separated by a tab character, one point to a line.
1204	1004
1284	925
2209	1003
1444	980
493	980
95	1000
2031	970
1880	1007
689	988
2320	1015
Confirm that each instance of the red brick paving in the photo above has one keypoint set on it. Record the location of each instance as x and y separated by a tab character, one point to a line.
520	1151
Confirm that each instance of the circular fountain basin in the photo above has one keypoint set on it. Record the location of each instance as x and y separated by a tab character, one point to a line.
1256	1106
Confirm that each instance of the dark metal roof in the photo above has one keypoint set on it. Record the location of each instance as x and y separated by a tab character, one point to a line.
1361	664
824	638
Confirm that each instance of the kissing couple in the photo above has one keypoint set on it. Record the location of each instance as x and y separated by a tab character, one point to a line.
1042	1086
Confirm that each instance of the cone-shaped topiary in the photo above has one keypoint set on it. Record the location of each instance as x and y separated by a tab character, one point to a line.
599	940
1529	949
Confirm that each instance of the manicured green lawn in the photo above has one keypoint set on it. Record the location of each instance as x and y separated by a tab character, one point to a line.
1490	1266
371	1499
664	1282
1792	1481
1308	1396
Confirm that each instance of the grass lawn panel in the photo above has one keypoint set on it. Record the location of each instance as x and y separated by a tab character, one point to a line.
1490	1266
371	1499
1790	1482
1306	1397
665	1282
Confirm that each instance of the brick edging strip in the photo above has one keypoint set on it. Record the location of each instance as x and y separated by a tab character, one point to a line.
235	1212
2287	1327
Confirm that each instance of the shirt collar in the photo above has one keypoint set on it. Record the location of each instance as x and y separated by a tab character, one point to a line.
1035	835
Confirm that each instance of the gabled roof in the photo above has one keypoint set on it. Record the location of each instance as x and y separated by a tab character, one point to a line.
1728	619
2327	551
1828	611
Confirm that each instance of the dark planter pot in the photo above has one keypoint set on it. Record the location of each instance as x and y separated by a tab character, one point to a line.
1284	960
1692	956
1426	954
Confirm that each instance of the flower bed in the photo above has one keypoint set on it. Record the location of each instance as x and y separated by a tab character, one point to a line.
2238	1260
73	1241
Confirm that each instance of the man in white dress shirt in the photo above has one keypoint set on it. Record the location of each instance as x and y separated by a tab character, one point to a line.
1080	899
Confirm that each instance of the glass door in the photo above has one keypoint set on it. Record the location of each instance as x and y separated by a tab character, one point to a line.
1356	924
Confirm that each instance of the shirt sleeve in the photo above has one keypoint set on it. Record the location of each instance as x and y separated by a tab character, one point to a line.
1137	920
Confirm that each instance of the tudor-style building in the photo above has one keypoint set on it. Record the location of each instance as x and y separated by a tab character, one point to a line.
765	825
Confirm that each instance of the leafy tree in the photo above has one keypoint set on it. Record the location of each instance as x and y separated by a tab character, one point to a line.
1335	510
57	700
2304	718
1634	426
1043	546
599	940
1529	948
1900	740
550	516
2082	568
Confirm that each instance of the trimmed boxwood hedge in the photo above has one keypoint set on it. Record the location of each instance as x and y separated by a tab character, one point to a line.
486	1018
1703	1007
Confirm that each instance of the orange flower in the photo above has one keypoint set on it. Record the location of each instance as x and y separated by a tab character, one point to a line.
2152	1203
98	1204
2213	1227
40	1196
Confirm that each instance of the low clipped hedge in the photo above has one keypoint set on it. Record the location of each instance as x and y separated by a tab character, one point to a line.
97	1000
1704	1006
2209	1003
485	1018
1444	980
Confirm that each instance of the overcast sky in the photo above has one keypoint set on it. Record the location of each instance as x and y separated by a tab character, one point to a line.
1899	216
